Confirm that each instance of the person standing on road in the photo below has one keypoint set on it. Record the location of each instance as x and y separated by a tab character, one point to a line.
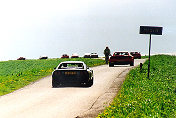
107	54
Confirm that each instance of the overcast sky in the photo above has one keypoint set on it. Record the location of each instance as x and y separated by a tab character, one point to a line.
31	28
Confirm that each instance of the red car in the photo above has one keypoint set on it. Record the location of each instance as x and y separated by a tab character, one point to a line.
136	55
65	56
121	58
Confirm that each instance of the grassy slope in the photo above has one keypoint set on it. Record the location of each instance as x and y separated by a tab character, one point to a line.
143	97
19	73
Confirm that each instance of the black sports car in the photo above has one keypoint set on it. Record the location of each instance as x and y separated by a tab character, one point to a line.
72	73
87	55
43	57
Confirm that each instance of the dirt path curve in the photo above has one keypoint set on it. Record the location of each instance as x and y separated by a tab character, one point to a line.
40	100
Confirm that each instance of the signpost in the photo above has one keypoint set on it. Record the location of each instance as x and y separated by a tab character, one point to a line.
152	30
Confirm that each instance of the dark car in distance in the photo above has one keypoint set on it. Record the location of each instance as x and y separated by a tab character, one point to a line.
136	55
72	73
21	58
94	55
43	57
121	58
87	55
75	55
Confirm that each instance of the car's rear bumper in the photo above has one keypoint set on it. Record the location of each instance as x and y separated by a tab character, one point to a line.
120	62
70	78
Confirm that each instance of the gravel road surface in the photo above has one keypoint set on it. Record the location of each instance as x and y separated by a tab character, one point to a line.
40	100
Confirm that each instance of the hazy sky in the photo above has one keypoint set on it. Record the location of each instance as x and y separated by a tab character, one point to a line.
31	28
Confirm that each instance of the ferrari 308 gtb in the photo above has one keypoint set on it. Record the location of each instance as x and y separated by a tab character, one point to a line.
72	73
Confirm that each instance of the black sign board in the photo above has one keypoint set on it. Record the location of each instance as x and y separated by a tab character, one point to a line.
151	30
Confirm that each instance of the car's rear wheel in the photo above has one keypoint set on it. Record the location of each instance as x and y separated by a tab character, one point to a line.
90	83
132	64
111	64
55	84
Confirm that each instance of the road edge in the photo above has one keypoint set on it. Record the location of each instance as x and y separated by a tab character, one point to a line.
105	99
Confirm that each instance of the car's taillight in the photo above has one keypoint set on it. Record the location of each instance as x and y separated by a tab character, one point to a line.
56	73
83	72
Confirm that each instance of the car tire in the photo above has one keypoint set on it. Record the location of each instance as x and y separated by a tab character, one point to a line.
90	83
111	65
54	85
132	64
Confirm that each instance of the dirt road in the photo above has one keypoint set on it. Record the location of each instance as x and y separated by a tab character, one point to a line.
40	100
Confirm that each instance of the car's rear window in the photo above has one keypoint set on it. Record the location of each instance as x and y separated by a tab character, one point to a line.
71	66
121	53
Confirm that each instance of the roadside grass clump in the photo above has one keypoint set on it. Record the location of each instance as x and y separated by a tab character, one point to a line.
143	97
16	74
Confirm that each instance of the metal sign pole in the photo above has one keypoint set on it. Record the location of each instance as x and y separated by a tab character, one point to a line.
150	30
149	56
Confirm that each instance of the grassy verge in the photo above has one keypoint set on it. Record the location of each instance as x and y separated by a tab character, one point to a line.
143	97
19	73
144	57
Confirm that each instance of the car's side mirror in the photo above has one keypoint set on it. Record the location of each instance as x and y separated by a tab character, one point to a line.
54	68
87	67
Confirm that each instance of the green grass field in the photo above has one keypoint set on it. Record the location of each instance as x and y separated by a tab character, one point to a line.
19	73
142	97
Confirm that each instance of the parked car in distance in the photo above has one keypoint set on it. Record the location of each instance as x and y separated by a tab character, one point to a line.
87	55
136	55
43	57
65	56
121	58
21	58
94	55
75	55
72	73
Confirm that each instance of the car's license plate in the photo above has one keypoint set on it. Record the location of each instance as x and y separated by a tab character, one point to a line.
70	73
